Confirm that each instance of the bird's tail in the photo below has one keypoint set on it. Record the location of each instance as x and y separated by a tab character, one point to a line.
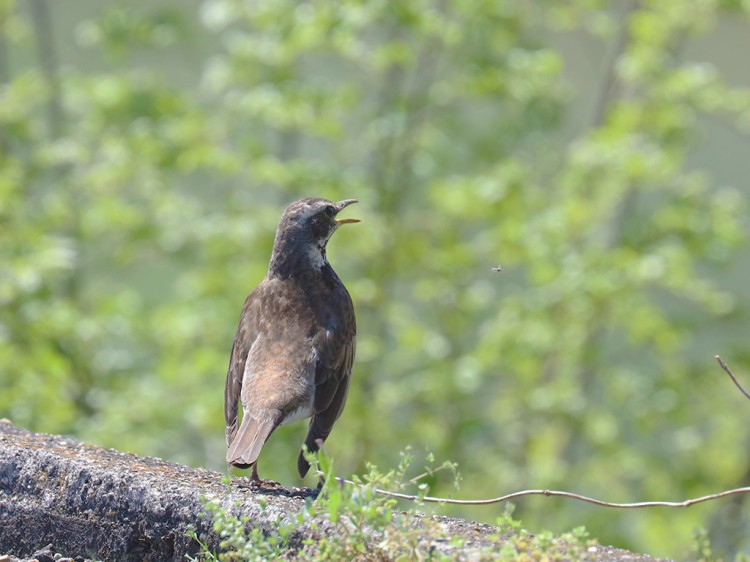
250	438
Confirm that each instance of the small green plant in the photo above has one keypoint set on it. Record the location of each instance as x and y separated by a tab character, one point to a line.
239	542
516	543
206	554
363	524
352	520
506	523
702	551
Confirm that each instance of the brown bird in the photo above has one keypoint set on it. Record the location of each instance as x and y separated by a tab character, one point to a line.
292	356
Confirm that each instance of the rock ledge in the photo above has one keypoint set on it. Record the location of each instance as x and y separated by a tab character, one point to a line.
87	502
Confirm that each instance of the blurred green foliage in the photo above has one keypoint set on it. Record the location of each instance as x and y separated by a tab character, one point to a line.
147	153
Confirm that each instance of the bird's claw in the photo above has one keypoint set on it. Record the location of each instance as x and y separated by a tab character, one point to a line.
263	483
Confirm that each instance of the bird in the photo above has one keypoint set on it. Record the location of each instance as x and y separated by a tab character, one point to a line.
294	349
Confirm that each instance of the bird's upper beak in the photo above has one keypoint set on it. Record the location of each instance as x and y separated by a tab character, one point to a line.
345	203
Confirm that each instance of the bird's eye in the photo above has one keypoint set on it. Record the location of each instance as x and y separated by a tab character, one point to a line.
330	211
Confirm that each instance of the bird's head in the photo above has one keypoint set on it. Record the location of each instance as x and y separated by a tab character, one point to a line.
304	230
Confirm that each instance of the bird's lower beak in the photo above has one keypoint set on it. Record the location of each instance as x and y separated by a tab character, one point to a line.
341	205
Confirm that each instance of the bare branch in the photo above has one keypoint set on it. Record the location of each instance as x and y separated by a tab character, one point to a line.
571	495
729	372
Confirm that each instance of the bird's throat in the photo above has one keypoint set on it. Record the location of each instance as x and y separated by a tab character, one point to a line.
317	256
288	262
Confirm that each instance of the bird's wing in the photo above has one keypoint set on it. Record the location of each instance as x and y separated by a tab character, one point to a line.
247	333
335	350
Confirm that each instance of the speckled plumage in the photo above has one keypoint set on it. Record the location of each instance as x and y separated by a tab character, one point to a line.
293	353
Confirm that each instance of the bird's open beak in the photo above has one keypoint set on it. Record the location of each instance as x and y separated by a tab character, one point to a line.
341	205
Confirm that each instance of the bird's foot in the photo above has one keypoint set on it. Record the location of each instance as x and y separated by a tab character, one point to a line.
263	483
258	482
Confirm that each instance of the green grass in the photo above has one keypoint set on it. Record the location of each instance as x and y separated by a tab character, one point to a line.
351	521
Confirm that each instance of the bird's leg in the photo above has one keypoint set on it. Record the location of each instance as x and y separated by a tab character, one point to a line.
258	482
254	478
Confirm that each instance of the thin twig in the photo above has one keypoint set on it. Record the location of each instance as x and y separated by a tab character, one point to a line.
426	473
729	372
571	495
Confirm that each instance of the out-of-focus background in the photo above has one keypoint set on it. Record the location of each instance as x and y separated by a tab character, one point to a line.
598	151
